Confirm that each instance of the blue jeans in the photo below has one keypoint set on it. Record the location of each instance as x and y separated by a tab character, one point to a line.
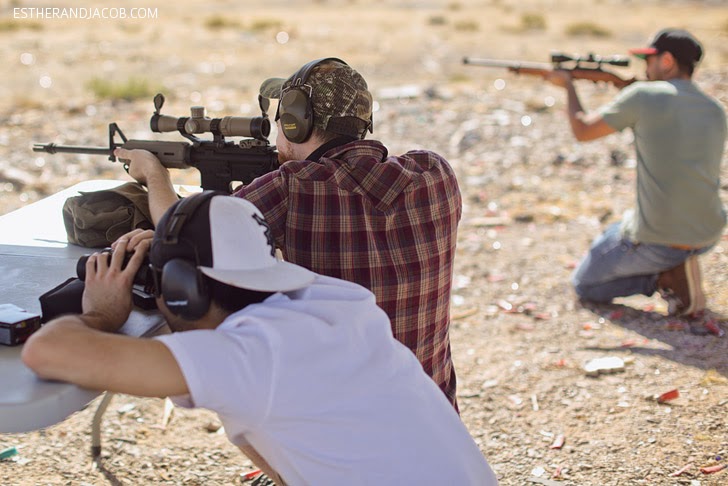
618	267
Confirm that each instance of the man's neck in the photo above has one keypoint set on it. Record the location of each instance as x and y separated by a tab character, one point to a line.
675	73
326	146
681	77
211	320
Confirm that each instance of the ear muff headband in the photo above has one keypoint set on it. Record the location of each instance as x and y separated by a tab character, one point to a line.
182	285
186	208
295	109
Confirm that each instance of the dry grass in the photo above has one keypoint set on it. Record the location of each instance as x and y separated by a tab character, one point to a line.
587	29
533	21
221	22
245	41
132	89
466	25
10	25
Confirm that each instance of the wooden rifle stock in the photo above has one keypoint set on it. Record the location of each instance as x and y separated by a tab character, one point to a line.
542	69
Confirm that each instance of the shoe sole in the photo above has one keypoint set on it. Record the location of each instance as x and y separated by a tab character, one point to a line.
695	287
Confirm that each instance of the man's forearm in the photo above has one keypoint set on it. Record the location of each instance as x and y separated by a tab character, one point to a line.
94	321
574	109
161	196
146	168
49	349
585	126
68	349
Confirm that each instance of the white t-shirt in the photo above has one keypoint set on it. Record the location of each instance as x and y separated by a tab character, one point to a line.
317	384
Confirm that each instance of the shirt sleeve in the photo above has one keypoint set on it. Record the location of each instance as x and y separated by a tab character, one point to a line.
624	110
269	193
228	374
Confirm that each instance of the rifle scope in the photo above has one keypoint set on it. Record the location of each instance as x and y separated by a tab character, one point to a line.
559	57
257	127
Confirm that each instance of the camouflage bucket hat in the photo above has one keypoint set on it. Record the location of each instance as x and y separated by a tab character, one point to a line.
338	93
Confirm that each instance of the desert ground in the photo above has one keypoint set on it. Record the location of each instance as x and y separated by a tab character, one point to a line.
533	200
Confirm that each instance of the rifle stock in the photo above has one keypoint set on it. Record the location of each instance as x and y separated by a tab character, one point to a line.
592	73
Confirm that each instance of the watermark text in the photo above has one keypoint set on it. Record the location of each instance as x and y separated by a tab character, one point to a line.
84	13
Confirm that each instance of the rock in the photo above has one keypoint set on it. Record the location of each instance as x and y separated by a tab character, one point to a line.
597	366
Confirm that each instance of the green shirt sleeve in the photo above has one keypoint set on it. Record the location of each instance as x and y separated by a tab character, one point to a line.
624	110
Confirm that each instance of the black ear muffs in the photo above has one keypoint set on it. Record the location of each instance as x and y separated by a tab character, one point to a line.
296	115
182	286
295	109
184	290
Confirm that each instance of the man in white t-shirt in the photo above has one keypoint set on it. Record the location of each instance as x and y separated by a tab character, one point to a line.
302	369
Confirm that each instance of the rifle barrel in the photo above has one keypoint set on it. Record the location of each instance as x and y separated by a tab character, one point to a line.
52	148
515	65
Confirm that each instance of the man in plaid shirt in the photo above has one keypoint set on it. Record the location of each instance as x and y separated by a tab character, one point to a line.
341	206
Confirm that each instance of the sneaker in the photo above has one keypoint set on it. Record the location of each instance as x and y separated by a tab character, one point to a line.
682	288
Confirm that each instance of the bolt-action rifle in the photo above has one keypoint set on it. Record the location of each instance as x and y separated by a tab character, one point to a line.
581	67
220	162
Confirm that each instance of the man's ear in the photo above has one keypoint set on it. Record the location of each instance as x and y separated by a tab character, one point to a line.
667	61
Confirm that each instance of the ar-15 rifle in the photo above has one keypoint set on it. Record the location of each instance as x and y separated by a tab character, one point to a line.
581	67
220	162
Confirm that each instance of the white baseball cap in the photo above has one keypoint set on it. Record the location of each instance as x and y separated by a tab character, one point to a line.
228	240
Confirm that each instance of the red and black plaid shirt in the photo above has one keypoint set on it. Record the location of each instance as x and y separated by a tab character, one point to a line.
386	223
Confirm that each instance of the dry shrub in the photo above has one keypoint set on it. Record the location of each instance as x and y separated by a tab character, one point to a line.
10	25
467	25
533	21
132	89
217	22
459	78
265	24
590	29
23	103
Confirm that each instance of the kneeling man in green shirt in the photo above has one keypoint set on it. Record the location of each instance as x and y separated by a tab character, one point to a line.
679	135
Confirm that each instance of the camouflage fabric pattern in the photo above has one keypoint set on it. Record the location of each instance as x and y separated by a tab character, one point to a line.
337	91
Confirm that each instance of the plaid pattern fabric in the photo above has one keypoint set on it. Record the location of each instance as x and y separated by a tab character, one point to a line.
386	223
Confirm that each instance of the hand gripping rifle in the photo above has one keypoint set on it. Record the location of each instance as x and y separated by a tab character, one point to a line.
581	67
220	162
